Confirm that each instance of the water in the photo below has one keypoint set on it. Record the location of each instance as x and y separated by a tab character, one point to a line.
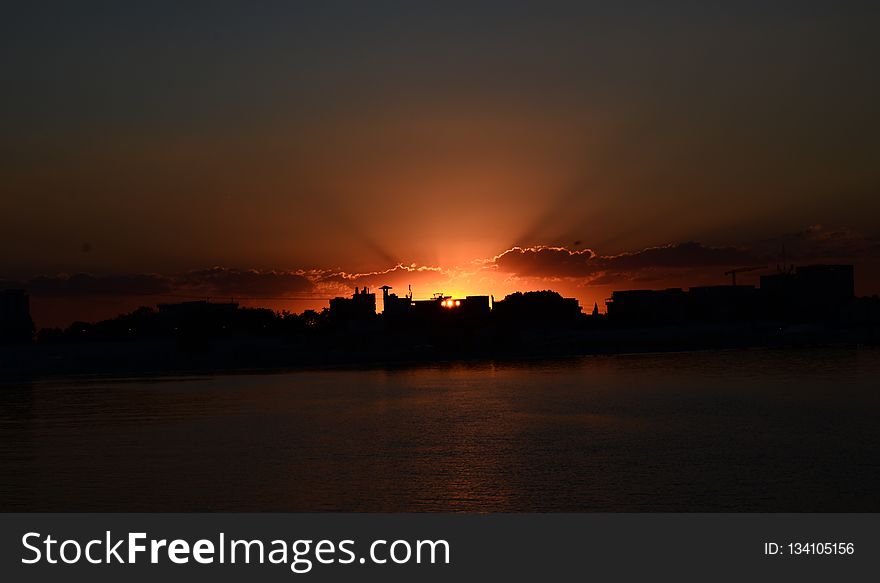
718	431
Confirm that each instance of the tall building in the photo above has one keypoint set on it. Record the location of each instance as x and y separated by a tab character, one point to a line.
644	307
359	307
722	303
810	293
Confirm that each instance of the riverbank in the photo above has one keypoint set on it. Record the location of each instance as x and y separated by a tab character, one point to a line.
266	353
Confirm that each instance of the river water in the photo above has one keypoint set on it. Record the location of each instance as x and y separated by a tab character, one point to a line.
743	430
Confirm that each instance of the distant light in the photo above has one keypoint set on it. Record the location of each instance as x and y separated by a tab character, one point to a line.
457	303
443	303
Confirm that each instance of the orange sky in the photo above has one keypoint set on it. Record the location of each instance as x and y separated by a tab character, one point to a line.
144	145
575	271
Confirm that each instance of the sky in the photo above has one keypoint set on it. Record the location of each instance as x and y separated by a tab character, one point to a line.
280	153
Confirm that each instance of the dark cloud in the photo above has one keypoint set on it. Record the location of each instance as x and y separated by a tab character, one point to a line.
547	262
84	284
244	282
219	281
550	262
679	256
817	242
814	244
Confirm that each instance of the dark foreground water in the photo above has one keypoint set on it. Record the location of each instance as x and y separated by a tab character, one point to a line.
756	430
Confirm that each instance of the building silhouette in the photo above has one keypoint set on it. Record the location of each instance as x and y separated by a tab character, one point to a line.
809	293
440	311
536	309
359	308
806	294
395	309
644	307
722	303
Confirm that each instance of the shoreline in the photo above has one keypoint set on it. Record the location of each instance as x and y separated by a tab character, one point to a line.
275	355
